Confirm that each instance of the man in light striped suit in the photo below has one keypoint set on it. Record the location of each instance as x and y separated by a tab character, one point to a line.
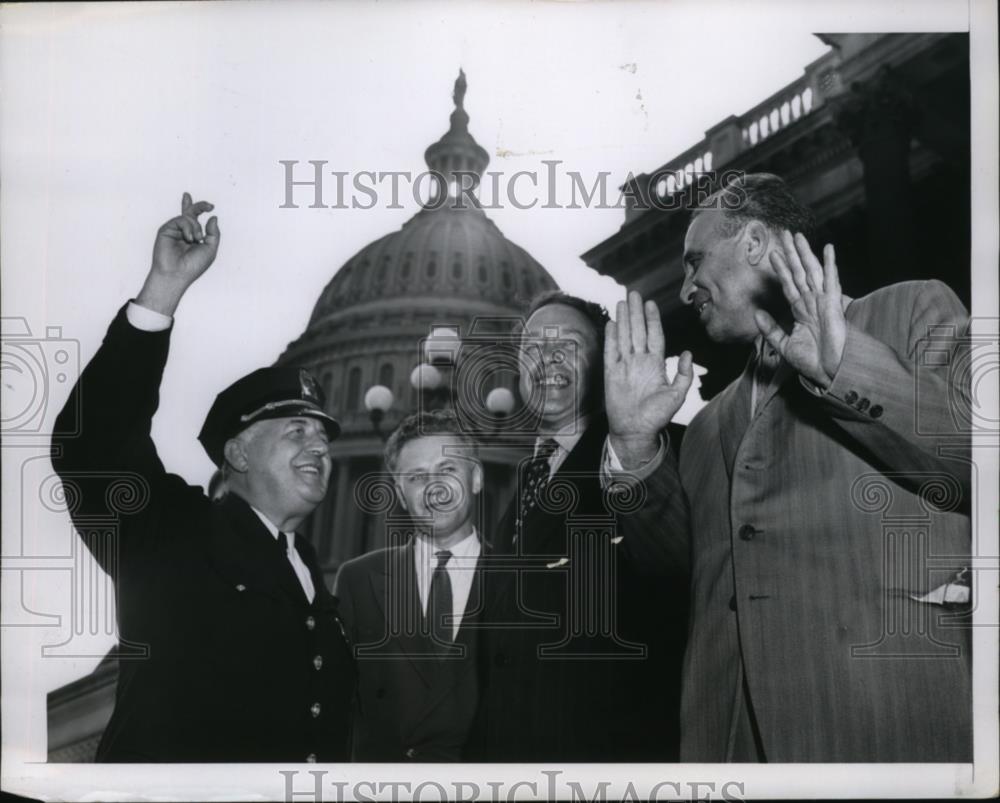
829	489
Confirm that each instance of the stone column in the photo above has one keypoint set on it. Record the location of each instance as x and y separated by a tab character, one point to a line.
879	116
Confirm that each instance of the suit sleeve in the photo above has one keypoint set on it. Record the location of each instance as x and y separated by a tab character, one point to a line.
910	410
109	466
654	519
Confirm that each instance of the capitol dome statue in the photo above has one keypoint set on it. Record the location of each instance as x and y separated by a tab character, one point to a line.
388	325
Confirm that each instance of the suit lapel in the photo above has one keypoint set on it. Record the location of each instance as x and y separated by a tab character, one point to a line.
782	374
584	458
448	672
734	414
245	552
396	593
734	407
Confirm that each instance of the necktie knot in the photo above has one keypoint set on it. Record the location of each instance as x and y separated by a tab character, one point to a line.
545	449
443	556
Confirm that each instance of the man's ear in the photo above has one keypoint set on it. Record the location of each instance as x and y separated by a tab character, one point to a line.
756	241
477	477
236	455
399	495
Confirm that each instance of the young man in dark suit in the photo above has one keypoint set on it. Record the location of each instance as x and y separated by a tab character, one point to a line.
583	630
242	656
409	608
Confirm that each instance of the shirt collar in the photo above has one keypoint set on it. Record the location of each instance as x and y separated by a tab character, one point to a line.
568	436
267	523
762	346
467	547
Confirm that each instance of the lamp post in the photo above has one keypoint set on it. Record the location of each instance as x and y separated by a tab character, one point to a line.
378	400
428	381
500	402
442	345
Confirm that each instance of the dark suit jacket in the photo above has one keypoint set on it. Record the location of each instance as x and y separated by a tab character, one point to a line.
234	663
413	702
583	631
812	525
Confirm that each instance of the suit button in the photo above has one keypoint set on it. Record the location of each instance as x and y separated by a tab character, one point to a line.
863	405
732	603
851	397
311	758
747	532
318	662
876	411
410	753
310	623
500	659
314	709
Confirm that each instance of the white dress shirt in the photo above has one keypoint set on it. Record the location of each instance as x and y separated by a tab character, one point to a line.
460	567
299	566
146	319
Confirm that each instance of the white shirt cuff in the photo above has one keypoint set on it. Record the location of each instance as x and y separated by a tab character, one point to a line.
611	465
146	319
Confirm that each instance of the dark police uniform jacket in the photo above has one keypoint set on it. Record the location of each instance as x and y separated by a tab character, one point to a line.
413	704
234	663
583	631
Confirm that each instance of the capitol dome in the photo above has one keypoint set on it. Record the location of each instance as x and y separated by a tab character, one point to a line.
447	266
440	259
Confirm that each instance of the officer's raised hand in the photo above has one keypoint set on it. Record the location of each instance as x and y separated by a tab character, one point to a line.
182	252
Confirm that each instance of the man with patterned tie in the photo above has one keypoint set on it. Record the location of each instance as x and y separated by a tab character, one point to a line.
828	489
410	608
232	646
582	630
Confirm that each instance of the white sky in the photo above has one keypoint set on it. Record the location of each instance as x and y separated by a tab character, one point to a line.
110	112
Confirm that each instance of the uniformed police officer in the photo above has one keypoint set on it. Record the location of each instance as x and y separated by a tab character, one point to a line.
231	646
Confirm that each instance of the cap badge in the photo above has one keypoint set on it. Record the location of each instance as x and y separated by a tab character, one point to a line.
310	392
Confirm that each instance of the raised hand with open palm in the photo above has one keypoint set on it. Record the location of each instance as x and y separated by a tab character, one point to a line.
815	345
639	399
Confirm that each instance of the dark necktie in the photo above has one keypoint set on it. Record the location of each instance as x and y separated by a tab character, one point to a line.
534	480
439	607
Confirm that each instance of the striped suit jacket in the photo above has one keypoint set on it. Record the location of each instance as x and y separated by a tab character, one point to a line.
814	525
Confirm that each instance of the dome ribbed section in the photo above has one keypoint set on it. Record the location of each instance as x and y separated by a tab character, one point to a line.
439	255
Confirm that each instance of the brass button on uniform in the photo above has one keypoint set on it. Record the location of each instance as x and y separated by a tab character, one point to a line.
310	623
240	587
311	758
318	662
410	752
876	411
747	532
315	709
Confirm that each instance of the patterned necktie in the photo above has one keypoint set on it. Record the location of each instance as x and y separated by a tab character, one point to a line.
439	606
534	480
